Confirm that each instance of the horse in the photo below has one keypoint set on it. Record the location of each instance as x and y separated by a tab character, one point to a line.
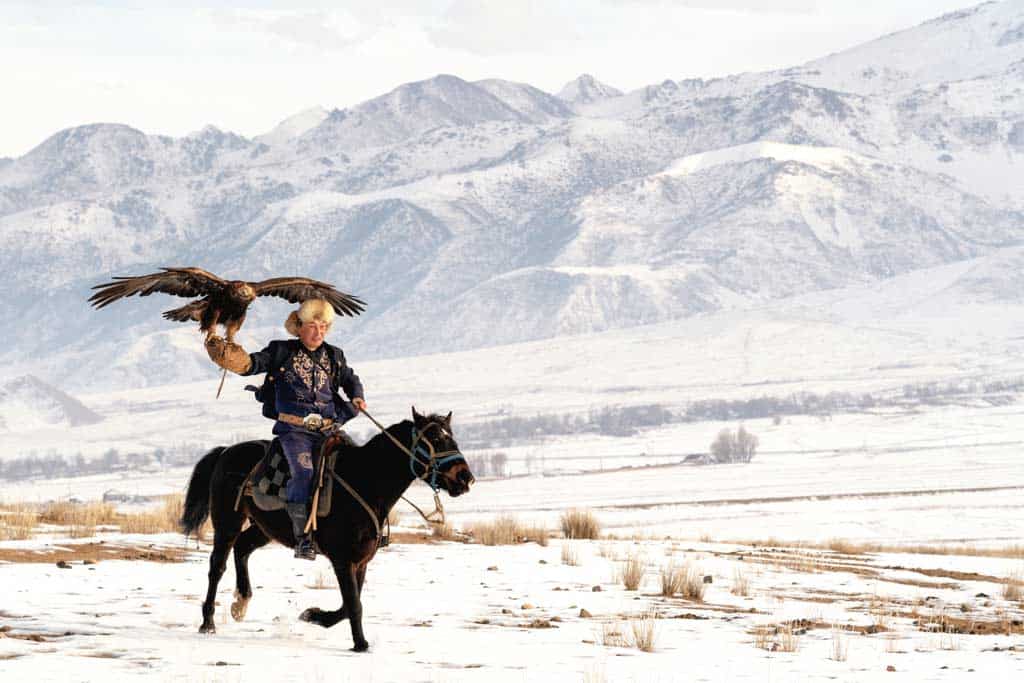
379	472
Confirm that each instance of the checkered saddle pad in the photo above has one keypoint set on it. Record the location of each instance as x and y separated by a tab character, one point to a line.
269	479
273	474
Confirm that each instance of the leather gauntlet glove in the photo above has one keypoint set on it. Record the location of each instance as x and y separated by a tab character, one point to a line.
228	355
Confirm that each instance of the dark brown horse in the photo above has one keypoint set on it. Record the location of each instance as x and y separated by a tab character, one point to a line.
378	471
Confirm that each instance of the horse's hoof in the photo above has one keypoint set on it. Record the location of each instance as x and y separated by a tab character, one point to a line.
361	647
207	628
311	615
238	609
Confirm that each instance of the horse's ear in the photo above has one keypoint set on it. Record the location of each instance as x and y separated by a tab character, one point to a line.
416	417
448	419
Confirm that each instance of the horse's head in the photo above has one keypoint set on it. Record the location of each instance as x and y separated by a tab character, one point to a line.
437	453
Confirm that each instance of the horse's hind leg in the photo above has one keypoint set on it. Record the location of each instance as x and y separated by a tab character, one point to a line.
251	539
225	532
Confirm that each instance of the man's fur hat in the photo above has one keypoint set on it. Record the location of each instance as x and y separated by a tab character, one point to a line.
311	309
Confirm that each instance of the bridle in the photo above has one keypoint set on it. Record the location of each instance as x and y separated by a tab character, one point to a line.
422	453
430	459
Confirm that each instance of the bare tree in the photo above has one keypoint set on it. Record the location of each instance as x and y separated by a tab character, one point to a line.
730	446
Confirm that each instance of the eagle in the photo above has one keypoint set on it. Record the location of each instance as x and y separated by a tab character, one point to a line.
223	302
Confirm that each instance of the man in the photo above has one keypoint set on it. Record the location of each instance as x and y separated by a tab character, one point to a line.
304	376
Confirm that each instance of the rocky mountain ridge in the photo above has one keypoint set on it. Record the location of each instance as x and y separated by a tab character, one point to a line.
501	213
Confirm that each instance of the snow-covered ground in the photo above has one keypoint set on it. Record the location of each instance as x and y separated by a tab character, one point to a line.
453	612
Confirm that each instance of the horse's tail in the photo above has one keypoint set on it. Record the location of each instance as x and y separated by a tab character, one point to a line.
197	498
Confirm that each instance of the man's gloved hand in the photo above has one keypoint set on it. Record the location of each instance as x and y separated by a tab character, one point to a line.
228	355
359	403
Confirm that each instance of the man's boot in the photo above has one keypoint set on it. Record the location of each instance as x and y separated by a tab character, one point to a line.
299	513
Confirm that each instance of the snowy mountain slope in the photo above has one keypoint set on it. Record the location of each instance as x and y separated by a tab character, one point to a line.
586	90
511	214
27	403
294	126
418	107
983	41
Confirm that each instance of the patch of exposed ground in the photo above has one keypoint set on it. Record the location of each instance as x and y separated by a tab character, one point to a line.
821	562
948	574
409	537
90	553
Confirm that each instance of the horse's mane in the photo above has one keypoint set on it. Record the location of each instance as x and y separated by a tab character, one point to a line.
433	417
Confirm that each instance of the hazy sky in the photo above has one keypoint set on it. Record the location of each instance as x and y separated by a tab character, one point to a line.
246	67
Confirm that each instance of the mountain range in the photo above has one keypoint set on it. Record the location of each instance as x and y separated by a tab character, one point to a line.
472	214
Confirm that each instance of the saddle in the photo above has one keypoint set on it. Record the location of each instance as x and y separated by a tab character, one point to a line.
268	480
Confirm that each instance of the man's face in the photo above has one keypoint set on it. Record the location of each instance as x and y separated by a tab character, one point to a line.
312	333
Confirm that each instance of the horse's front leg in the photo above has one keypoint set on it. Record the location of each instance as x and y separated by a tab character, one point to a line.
351	606
315	615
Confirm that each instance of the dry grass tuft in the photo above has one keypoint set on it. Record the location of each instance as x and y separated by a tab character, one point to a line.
611	635
645	633
640	633
840	645
764	636
694	586
570	556
881	610
507	530
607	551
776	638
740	583
580	524
443	532
672	579
686	581
631	573
1013	589
394	517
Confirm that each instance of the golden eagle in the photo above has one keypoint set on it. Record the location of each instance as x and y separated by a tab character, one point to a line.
223	302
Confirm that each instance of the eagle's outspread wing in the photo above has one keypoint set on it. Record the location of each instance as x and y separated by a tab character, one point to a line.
178	281
299	289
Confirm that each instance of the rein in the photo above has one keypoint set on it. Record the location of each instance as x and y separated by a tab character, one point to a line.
433	460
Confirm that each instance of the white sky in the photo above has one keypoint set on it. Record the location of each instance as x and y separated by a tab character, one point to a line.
246	67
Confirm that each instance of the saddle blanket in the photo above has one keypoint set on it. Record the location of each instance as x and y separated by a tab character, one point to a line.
269	479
